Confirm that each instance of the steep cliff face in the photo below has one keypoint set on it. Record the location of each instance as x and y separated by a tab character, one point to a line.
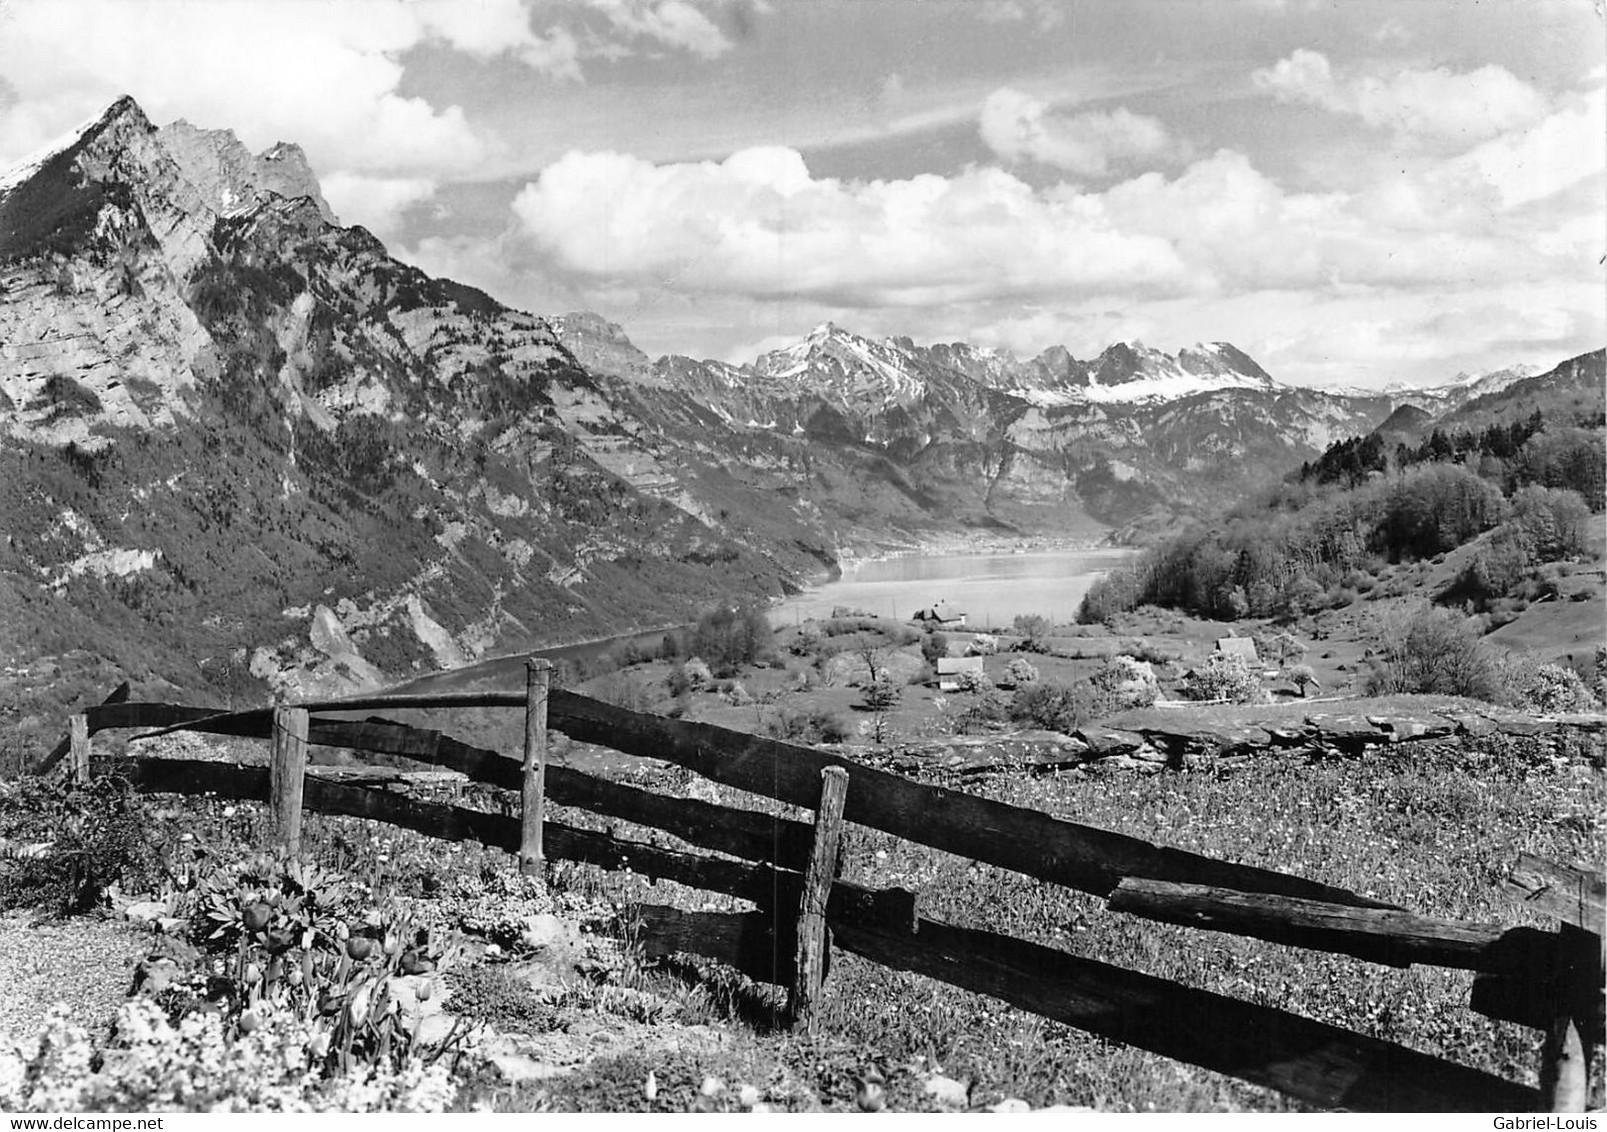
229	177
246	444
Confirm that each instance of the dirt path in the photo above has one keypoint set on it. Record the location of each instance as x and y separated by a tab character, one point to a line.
86	962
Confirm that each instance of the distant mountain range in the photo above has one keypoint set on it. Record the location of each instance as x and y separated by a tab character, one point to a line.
246	446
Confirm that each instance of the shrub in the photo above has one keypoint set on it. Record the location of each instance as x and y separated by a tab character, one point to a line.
1225	677
1544	688
901	635
1127	683
1051	706
697	674
982	711
882	691
624	691
982	644
1437	652
1021	671
970	681
809	728
732	636
933	647
1302	676
98	836
736	695
804	641
1033	629
491	994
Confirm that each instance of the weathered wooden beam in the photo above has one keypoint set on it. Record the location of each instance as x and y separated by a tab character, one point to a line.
421	744
533	786
287	774
78	748
758	944
1573	895
1382	935
811	943
1311	1061
178	717
48	763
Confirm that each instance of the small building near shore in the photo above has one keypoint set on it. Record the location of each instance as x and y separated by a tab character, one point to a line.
1238	646
943	613
951	668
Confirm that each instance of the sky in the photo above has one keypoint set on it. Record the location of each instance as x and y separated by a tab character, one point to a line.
1356	194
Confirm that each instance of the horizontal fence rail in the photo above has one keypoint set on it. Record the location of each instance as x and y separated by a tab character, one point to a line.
786	868
1078	856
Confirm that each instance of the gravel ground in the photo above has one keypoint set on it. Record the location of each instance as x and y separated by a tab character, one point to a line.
86	962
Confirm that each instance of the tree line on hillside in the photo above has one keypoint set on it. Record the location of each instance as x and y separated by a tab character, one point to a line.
1318	539
1514	455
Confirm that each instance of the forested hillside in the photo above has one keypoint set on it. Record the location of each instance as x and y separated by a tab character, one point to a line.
1520	474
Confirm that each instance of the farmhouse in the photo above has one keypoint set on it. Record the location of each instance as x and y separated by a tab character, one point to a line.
943	613
1238	646
950	669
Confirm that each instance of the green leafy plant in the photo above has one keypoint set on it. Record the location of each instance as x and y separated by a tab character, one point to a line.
84	840
1225	676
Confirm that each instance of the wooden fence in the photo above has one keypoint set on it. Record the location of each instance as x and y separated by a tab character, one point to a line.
787	868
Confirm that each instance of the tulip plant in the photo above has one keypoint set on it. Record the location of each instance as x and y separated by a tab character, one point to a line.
290	939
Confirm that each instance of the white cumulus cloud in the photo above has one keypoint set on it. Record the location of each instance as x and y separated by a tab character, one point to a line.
1467	105
675	23
377	203
1018	127
760	223
324	75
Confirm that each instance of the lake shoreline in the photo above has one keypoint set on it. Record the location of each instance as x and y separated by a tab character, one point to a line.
976	544
810	589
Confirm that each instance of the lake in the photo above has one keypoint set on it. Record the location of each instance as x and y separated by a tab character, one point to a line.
992	589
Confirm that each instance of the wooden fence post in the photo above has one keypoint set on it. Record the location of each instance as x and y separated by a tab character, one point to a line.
808	970
1571	1005
1566	1054
538	682
78	747
286	774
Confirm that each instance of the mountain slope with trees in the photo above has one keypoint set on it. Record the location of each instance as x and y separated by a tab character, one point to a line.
1517	477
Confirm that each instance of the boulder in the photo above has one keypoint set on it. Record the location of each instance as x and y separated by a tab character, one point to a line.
146	912
1010	1105
1400	728
1105	742
948	1092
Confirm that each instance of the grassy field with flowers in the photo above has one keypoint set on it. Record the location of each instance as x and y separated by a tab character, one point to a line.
389	972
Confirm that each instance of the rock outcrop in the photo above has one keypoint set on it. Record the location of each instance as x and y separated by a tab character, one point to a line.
1153	739
230	177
